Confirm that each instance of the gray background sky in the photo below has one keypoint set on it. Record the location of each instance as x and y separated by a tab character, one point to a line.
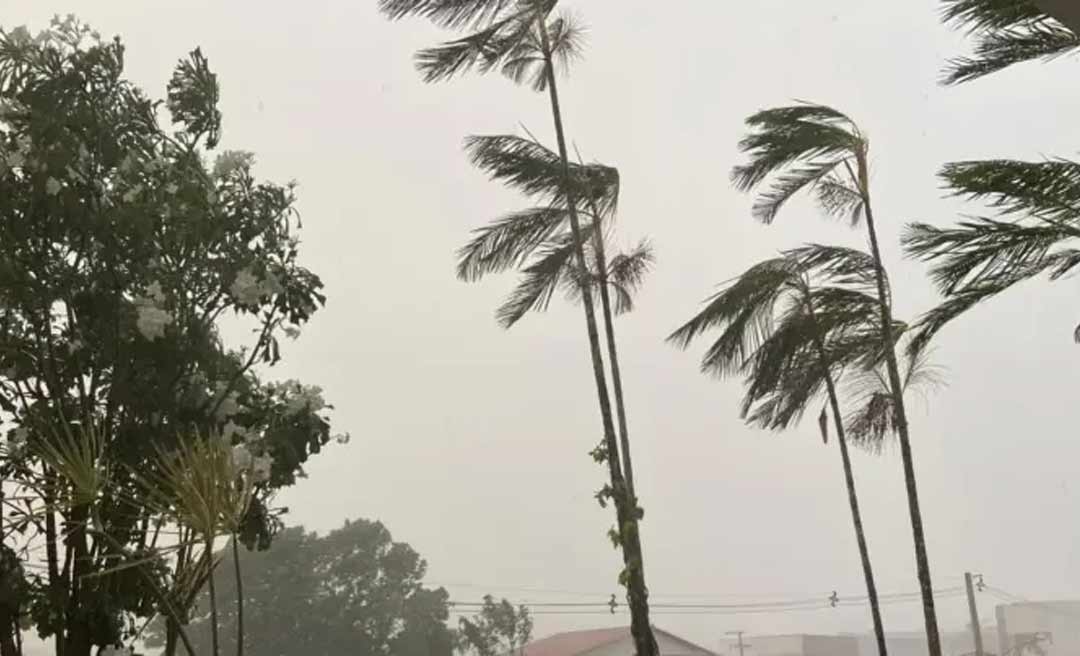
471	442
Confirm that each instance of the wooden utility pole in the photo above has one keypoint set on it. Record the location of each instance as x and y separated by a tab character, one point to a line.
741	645
976	630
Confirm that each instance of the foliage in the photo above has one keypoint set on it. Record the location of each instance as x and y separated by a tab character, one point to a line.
1007	32
121	250
351	591
1034	232
498	628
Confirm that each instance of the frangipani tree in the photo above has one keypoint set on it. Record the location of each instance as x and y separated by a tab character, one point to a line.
123	244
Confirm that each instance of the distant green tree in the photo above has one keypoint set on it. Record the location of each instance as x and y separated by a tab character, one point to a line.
498	629
123	244
352	591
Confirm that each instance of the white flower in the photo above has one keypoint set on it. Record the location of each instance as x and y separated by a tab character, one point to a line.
228	406
306	398
240	458
246	289
171	188
230	161
152	320
230	429
14	159
74	345
260	468
52	186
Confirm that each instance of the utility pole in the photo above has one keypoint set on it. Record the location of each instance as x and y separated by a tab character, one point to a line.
976	630
742	646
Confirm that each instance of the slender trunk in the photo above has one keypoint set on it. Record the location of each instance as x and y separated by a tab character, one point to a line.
9	622
213	602
9	625
637	593
52	558
922	563
239	598
853	499
78	630
613	356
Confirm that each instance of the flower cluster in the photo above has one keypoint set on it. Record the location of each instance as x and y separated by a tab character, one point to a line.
248	290
244	461
152	318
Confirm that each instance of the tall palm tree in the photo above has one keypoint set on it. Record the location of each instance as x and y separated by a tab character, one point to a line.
1037	203
818	149
791	326
508	242
522	40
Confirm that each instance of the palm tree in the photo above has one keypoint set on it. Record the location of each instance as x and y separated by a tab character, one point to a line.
1037	203
510	240
791	326
816	148
521	39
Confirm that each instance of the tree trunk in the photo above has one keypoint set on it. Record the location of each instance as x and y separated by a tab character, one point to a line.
239	598
613	356
637	593
922	563
8	626
213	601
853	499
78	628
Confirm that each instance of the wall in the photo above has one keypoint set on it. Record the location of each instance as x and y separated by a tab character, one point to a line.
1018	623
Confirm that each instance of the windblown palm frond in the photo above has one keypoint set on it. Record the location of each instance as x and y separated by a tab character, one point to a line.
485	50
838	198
1007	32
553	266
811	142
525	62
838	264
626	273
1039	203
506	242
536	171
453	14
874	418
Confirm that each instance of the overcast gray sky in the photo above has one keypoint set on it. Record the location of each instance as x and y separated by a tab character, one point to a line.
471	443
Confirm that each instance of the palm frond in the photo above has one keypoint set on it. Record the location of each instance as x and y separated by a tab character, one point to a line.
484	50
1049	190
536	171
768	203
837	265
507	242
818	136
1000	49
977	15
983	253
743	310
525	62
447	13
874	418
837	198
627	271
554	267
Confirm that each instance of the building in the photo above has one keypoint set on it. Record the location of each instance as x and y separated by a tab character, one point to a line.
1052	625
803	645
608	642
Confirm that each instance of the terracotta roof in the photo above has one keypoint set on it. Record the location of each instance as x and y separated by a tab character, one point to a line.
575	642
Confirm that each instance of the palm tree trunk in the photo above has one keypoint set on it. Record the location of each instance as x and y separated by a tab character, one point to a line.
853	499
922	563
613	356
637	593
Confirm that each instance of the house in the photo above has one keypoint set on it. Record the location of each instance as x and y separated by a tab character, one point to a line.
803	645
608	642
